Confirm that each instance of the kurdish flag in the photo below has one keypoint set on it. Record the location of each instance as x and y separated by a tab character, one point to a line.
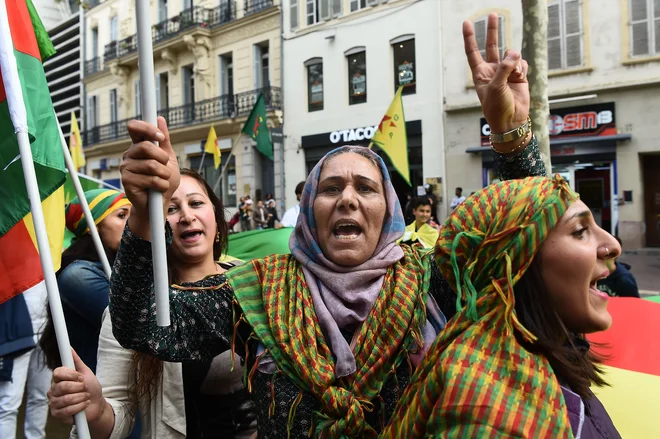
391	136
212	147
25	104
255	127
632	366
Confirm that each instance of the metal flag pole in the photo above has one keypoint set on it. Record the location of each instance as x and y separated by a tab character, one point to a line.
224	168
201	163
93	231
149	112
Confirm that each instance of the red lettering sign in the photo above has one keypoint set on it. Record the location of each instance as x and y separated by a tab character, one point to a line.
580	121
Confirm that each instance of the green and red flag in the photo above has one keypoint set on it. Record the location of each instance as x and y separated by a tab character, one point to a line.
257	244
632	366
256	127
25	104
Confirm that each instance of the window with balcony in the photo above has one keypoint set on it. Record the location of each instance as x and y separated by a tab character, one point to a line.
261	65
357	76
187	4
314	84
92	121
644	28
162	91
95	42
404	64
480	31
162	10
114	28
227	85
564	34
188	75
114	111
293	14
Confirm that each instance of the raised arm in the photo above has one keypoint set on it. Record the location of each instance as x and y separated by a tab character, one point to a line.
504	95
202	321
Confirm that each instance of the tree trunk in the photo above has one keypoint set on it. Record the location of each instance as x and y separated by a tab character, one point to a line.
535	51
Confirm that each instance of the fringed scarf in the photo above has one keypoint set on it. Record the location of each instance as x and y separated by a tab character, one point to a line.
477	380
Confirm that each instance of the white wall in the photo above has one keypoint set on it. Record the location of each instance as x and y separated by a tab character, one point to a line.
373	29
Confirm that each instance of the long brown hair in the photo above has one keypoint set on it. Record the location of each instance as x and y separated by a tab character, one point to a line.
148	369
575	366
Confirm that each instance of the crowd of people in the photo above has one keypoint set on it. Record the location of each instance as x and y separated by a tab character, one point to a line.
379	323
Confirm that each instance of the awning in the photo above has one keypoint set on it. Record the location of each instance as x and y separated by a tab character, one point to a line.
566	141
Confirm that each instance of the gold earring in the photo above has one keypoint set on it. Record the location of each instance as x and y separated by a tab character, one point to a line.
217	236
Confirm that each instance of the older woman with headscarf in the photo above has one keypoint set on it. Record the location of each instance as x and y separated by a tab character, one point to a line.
525	257
332	332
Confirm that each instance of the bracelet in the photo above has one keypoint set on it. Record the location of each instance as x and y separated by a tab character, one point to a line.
512	135
516	148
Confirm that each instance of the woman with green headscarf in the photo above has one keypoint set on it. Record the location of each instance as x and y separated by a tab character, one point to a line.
83	285
524	257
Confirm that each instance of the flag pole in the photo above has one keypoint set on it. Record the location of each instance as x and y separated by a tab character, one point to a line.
45	255
149	112
93	231
18	116
201	163
224	168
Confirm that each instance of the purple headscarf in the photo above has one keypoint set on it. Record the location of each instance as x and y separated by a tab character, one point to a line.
343	296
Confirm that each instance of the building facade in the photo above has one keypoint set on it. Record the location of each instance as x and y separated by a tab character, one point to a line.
211	62
344	61
604	60
64	70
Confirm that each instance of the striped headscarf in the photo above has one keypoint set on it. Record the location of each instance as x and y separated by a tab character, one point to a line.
477	380
102	202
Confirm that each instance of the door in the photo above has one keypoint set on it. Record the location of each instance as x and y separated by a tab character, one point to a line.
592	193
651	165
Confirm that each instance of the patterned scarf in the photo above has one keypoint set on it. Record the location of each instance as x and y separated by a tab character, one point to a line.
343	296
277	303
102	202
477	380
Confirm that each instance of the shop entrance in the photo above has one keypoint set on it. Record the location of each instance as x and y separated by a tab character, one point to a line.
594	182
651	165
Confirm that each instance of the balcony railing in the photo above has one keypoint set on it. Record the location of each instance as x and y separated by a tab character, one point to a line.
254	6
217	108
92	66
111	51
222	14
188	18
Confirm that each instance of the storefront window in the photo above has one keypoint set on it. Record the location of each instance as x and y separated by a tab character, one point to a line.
315	86
404	66
357	78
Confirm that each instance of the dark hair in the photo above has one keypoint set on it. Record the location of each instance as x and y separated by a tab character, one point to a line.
459	189
147	369
421	201
82	249
299	188
573	364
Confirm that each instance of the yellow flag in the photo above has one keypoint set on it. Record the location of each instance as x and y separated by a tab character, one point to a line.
75	144
212	147
391	136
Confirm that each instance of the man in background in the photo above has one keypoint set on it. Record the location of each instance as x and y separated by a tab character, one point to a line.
290	217
458	199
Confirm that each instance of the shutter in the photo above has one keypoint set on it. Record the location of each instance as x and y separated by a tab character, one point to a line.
355	5
310	11
554	37
639	27
113	105
573	32
325	9
293	11
480	35
257	67
372	2
336	8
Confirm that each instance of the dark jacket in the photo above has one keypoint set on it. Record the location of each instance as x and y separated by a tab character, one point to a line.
620	283
84	289
589	419
16	334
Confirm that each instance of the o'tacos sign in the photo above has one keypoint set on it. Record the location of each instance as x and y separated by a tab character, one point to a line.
353	135
589	120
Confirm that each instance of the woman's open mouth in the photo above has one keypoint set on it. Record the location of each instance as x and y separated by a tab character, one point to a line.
347	230
191	236
593	288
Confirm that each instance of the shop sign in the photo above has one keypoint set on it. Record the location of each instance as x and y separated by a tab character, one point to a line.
591	120
353	135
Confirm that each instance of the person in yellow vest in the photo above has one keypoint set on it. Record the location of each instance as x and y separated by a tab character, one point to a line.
422	230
